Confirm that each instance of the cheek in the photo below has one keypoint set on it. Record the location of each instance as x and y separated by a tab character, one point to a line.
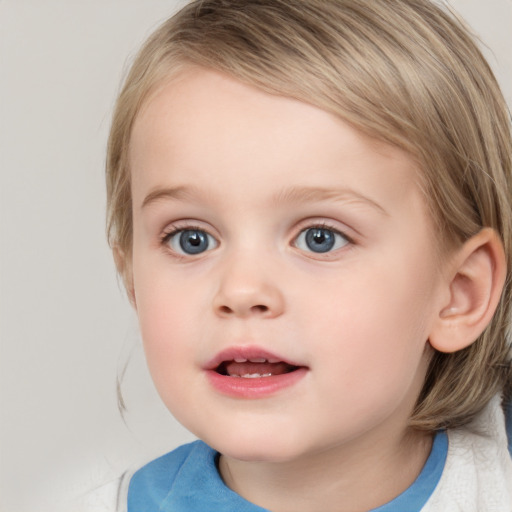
380	307
374	329
165	319
166	330
375	367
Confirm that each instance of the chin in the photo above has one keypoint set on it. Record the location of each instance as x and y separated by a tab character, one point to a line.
268	448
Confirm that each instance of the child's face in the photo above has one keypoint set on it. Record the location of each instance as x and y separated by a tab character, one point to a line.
296	239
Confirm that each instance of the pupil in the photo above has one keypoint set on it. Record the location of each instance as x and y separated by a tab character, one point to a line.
193	242
320	240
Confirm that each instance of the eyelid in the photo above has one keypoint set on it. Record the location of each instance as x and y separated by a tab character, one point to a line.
185	224
330	225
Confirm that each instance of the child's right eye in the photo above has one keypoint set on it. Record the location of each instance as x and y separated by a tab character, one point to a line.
190	241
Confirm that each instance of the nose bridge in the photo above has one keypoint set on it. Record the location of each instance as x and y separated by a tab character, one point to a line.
248	285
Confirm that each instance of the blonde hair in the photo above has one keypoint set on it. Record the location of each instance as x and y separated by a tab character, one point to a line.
404	71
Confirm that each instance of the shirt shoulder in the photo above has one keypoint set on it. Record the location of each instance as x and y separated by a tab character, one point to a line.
155	478
152	483
167	466
184	480
478	470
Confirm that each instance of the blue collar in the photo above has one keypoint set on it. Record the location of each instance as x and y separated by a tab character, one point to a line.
187	480
184	480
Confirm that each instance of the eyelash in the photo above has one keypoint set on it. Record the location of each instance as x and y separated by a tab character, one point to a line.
172	230
327	227
175	229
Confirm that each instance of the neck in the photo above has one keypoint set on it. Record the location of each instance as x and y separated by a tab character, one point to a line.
359	477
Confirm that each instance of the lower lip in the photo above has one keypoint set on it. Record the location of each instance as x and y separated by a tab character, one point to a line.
259	387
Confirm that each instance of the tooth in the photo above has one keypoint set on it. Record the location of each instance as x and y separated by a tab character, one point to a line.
255	375
240	360
258	360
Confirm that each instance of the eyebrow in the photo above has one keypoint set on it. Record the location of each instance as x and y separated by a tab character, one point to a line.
288	195
314	194
176	193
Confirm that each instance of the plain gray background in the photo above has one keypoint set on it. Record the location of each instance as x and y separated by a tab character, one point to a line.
66	327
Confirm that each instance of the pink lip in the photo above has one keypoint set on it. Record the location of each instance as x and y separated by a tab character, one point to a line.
259	387
246	352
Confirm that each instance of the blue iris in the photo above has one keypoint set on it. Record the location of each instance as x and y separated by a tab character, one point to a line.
320	239
193	241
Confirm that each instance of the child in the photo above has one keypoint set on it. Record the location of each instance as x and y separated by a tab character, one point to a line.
310	206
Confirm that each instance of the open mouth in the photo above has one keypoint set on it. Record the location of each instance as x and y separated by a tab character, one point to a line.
250	372
254	368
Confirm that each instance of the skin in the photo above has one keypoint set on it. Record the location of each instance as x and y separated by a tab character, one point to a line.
211	153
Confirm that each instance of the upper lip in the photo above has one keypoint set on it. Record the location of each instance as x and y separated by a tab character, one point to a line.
247	353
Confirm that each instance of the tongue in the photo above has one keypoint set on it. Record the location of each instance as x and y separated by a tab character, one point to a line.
238	369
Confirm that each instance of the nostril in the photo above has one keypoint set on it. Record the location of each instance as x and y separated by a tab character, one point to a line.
260	308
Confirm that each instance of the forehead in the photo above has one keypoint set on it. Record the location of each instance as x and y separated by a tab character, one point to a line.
206	127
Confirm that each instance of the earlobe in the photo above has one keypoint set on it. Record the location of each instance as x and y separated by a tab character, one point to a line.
475	285
124	267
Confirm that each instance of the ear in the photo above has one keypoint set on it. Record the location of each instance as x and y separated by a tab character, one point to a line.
475	283
123	263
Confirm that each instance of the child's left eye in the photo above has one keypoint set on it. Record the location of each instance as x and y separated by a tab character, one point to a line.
320	240
190	241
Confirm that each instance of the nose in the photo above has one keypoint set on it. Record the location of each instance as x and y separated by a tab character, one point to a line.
247	290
